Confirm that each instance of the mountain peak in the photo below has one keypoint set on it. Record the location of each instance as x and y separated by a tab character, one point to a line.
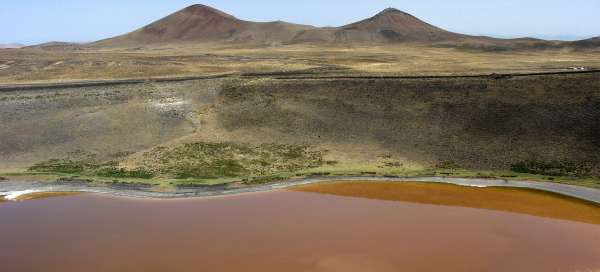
391	11
204	10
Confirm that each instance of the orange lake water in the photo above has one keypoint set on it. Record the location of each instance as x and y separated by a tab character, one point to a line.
355	226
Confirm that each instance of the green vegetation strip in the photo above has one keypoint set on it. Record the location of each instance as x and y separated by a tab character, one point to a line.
222	160
196	161
203	163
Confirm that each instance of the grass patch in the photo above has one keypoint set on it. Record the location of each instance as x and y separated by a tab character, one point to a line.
65	166
263	180
226	160
115	172
449	165
193	163
85	164
221	163
554	168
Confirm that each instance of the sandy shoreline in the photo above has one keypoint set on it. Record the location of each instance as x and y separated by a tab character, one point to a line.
11	190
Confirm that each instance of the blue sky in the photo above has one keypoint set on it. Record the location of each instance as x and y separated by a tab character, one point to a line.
36	21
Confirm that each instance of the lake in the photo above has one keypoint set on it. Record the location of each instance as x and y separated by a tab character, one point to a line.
340	226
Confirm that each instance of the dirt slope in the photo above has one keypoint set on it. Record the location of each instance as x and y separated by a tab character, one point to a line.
477	123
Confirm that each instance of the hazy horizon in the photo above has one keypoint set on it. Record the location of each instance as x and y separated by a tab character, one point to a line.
37	21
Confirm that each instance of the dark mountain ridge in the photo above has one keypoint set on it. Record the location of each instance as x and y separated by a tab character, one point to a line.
201	24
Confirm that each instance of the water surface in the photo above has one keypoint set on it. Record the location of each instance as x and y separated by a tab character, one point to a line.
356	227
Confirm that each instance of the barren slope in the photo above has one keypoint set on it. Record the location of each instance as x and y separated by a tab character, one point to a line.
203	24
588	43
386	125
390	25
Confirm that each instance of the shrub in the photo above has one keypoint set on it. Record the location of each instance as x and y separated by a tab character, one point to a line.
59	166
553	168
263	180
114	172
448	165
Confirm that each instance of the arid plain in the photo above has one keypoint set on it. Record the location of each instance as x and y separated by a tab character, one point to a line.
201	97
33	65
204	142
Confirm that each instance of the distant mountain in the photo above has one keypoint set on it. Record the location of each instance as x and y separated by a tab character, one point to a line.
390	25
593	42
10	45
200	24
57	46
203	24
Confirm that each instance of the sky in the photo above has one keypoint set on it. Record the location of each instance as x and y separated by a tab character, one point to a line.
37	21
